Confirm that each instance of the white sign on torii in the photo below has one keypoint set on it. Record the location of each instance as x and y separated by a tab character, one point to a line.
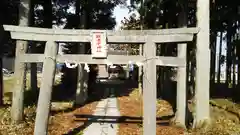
99	44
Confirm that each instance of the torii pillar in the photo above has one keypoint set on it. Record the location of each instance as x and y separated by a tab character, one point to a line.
202	64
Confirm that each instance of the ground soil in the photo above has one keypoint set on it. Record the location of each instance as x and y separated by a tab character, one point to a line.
59	122
131	106
62	119
63	122
224	117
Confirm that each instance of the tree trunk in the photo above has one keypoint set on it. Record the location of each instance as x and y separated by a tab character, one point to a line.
1	56
33	66
1	80
219	62
48	17
238	61
229	61
213	45
82	91
234	63
141	48
33	72
20	68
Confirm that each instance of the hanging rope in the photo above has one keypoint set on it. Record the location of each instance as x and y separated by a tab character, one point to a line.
86	67
68	65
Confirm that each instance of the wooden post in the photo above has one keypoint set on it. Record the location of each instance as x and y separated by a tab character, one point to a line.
202	64
149	89
182	73
44	100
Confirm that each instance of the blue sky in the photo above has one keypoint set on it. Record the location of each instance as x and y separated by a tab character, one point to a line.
120	13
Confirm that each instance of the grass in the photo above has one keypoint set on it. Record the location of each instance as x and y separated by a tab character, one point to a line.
30	96
9	82
8	85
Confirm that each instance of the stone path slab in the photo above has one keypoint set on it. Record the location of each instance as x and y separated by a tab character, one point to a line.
106	107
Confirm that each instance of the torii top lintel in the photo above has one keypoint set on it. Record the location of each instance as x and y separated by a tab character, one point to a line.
122	36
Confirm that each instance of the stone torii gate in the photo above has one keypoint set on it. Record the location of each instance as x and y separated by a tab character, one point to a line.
149	38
